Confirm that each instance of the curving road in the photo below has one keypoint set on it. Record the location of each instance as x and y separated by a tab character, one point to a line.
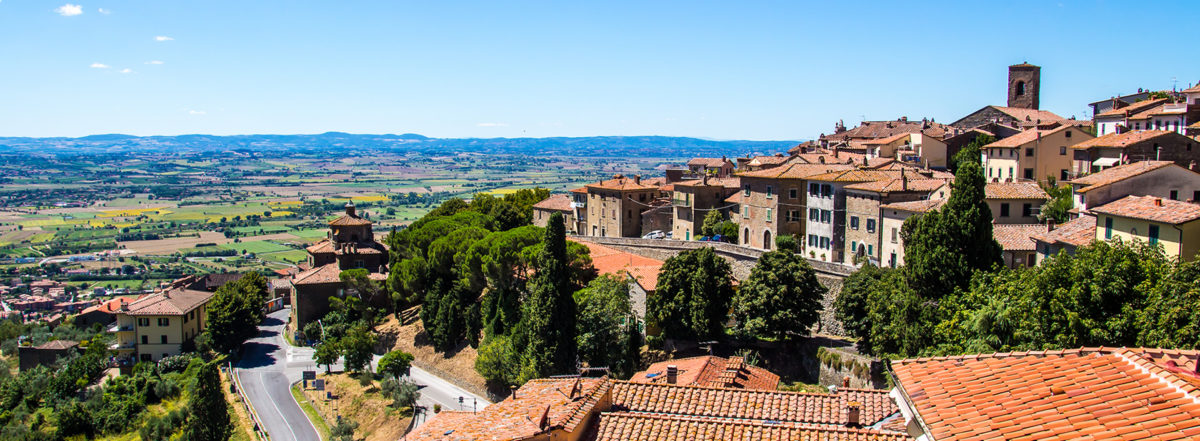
268	368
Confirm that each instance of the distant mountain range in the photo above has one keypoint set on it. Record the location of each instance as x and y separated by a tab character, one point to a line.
607	146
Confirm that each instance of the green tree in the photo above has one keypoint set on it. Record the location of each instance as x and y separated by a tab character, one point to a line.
357	347
343	431
497	362
780	299
693	294
208	413
327	353
395	363
851	305
605	316
370	291
712	223
548	319
1172	319
1059	205
971	152
235	312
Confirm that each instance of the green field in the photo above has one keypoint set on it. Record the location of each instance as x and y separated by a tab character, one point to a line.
256	247
293	256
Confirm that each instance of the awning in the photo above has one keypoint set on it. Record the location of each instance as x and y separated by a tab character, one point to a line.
1106	162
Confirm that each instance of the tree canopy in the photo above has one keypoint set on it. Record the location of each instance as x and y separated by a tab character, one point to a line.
692	298
235	311
780	299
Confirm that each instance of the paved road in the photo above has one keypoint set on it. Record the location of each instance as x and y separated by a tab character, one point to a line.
270	365
268	368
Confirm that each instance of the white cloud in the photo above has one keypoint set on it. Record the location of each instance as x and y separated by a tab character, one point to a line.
126	70
68	10
492	124
197	112
163	38
99	66
154	62
104	11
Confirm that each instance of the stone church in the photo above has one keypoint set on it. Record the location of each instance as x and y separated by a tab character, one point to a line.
351	244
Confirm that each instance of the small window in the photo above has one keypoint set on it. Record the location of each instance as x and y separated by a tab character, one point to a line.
745	211
812	240
1063	175
814	189
870	249
746	190
1108	227
1029	152
1004	210
1062	151
853	222
163	321
1174	195
769	214
826	216
792	193
145	339
814	214
1067	134
144	357
826	190
162	339
895	234
870	225
1153	234
1020	88
143	322
1029	173
770	191
1026	210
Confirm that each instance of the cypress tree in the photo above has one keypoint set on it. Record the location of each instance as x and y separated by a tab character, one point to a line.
548	321
208	415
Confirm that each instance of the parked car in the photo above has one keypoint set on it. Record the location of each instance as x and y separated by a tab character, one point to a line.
656	234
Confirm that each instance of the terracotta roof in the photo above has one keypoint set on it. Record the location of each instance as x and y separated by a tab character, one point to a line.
110	306
795	171
798	407
915	183
1151	208
825	158
536	408
1029	115
1025	137
579	190
1116	174
856	175
660	427
888	140
1076	232
768	160
1017	237
710	371
709	162
622	183
176	301
556	202
348	220
735	198
1193	89
58	345
1014	190
1132	108
884	129
922	206
1123	140
1092	393
611	261
731	182
325	246
327	273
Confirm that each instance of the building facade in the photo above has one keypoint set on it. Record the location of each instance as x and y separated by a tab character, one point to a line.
159	325
350	245
1173	225
1124	148
614	207
1033	155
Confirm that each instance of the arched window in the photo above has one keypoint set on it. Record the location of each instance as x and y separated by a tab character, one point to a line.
746	236
1020	88
767	240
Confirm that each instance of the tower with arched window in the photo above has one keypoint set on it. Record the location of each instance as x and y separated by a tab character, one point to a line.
1024	85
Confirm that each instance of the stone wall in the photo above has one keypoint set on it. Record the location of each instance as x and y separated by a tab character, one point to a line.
839	364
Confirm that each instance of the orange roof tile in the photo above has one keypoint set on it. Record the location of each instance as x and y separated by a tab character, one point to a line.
622	183
634	426
348	220
731	182
888	140
1133	108
1093	393
795	171
922	206
58	345
539	406
914	183
612	261
883	129
1076	232
1014	190
1116	174
856	175
710	371
1123	140
175	301
327	273
709	162
1017	237
1151	208
1193	89
1025	137
1029	115
556	202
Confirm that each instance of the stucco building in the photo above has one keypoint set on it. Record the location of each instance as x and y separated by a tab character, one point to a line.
694	199
865	228
1162	179
1174	225
773	202
158	325
1123	148
556	203
1035	154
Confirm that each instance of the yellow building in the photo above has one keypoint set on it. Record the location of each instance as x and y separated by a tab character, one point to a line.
1175	225
158	325
1033	155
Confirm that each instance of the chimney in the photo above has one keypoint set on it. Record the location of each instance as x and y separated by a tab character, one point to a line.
672	374
1158	202
637	179
1192	165
852	412
903	181
350	208
846	382
1050	225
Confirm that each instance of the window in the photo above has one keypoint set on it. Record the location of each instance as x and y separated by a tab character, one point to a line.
144	357
1020	88
1029	152
814	189
360	264
145	339
162	339
629	214
826	190
826	216
1063	175
824	242
793	216
1062	151
185	319
1026	210
814	214
746	190
769	215
870	249
812	240
853	222
745	211
1029	173
1004	210
894	234
1174	195
853	246
1153	234
1068	135
870	225
792	193
1108	228
143	322
769	191
1196	196
163	321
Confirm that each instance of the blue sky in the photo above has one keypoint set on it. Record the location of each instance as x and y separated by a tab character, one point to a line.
732	70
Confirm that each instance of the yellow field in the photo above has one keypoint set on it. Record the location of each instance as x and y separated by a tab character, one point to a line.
363	198
132	212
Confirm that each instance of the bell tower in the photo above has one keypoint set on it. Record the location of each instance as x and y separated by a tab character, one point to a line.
1024	85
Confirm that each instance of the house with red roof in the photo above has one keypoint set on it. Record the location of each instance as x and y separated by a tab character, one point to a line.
158	325
1164	179
640	271
555	203
1128	147
709	371
351	244
1173	225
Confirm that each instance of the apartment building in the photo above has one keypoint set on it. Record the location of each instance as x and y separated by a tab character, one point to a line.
1035	154
865	229
1174	225
556	203
773	202
159	324
825	227
894	215
1010	202
1163	179
694	199
1128	147
615	206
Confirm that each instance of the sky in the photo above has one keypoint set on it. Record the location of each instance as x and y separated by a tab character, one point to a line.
721	70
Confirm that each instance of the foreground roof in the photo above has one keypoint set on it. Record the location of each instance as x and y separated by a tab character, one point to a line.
175	301
536	408
710	371
612	261
1077	232
1017	237
644	427
1014	190
1116	174
746	404
556	202
1151	208
1088	393
1123	140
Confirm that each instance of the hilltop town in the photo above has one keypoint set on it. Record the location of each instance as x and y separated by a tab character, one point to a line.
1012	274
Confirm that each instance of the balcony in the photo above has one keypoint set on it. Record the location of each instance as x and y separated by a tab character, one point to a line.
123	346
681	202
116	327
